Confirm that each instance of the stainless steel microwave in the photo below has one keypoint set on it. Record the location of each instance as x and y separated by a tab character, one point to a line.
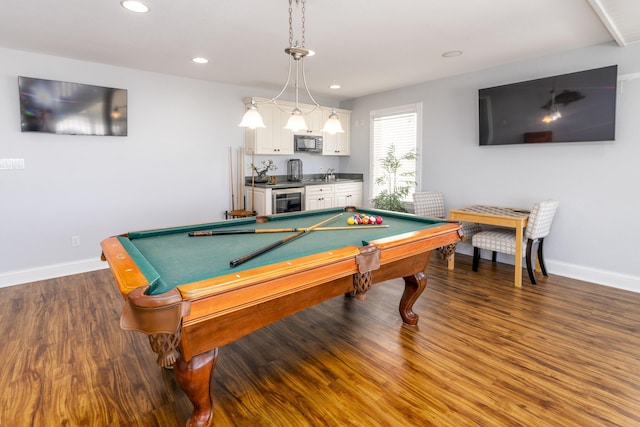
308	143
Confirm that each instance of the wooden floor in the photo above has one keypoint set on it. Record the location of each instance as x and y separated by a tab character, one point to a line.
563	353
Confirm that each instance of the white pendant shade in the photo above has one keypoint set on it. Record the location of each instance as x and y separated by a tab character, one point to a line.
296	122
333	125
252	119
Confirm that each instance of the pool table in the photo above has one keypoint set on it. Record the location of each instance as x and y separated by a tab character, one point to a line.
182	291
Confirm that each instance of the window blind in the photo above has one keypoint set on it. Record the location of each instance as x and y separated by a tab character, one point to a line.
399	130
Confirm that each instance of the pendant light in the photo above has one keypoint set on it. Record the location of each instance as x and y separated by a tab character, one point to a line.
333	124
252	119
297	53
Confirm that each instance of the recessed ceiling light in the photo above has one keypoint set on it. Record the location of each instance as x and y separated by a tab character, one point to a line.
200	60
134	6
452	54
334	87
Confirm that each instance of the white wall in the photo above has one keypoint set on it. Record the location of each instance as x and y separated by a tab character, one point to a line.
594	236
171	169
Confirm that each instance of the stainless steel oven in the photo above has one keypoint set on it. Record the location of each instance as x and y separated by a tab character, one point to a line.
288	200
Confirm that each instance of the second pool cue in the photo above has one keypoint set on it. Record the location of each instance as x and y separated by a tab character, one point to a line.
233	197
277	230
247	257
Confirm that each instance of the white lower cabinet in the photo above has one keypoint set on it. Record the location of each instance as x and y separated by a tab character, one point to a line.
348	194
260	199
318	197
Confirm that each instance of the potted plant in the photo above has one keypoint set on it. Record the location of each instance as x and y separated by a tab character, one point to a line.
398	184
261	174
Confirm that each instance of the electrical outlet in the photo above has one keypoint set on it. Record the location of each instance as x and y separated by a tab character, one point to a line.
75	241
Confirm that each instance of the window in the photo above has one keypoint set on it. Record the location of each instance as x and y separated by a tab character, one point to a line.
400	129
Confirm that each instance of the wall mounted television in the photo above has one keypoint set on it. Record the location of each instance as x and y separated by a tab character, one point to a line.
71	108
574	107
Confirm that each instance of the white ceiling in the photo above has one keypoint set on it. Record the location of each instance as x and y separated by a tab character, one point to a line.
367	46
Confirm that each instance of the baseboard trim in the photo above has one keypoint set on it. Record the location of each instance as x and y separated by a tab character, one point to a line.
574	271
594	275
50	272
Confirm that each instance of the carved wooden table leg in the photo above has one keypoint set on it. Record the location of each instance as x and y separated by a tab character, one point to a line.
413	287
194	378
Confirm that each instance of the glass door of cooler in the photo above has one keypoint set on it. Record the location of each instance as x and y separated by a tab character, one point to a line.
288	200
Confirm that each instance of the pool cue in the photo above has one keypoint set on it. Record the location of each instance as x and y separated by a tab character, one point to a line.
233	198
239	172
247	257
276	230
239	202
253	189
241	178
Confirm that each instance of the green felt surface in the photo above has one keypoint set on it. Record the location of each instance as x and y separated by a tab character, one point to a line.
171	257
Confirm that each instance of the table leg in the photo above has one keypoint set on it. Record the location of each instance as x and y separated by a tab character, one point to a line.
413	287
451	262
447	252
194	378
517	281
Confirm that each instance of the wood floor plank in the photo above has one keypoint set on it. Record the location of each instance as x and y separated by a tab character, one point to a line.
562	353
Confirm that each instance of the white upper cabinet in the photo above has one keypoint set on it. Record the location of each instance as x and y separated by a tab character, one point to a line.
337	144
313	120
274	139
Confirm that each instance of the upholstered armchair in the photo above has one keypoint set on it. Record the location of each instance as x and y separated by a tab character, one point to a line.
504	240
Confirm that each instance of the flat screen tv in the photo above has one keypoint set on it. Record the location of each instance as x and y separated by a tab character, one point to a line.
573	107
71	108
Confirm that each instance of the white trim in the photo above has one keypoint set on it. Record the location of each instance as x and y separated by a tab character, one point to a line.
574	271
594	275
50	272
629	76
607	21
392	111
419	144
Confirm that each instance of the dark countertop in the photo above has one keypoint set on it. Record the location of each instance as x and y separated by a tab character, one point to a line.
308	179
